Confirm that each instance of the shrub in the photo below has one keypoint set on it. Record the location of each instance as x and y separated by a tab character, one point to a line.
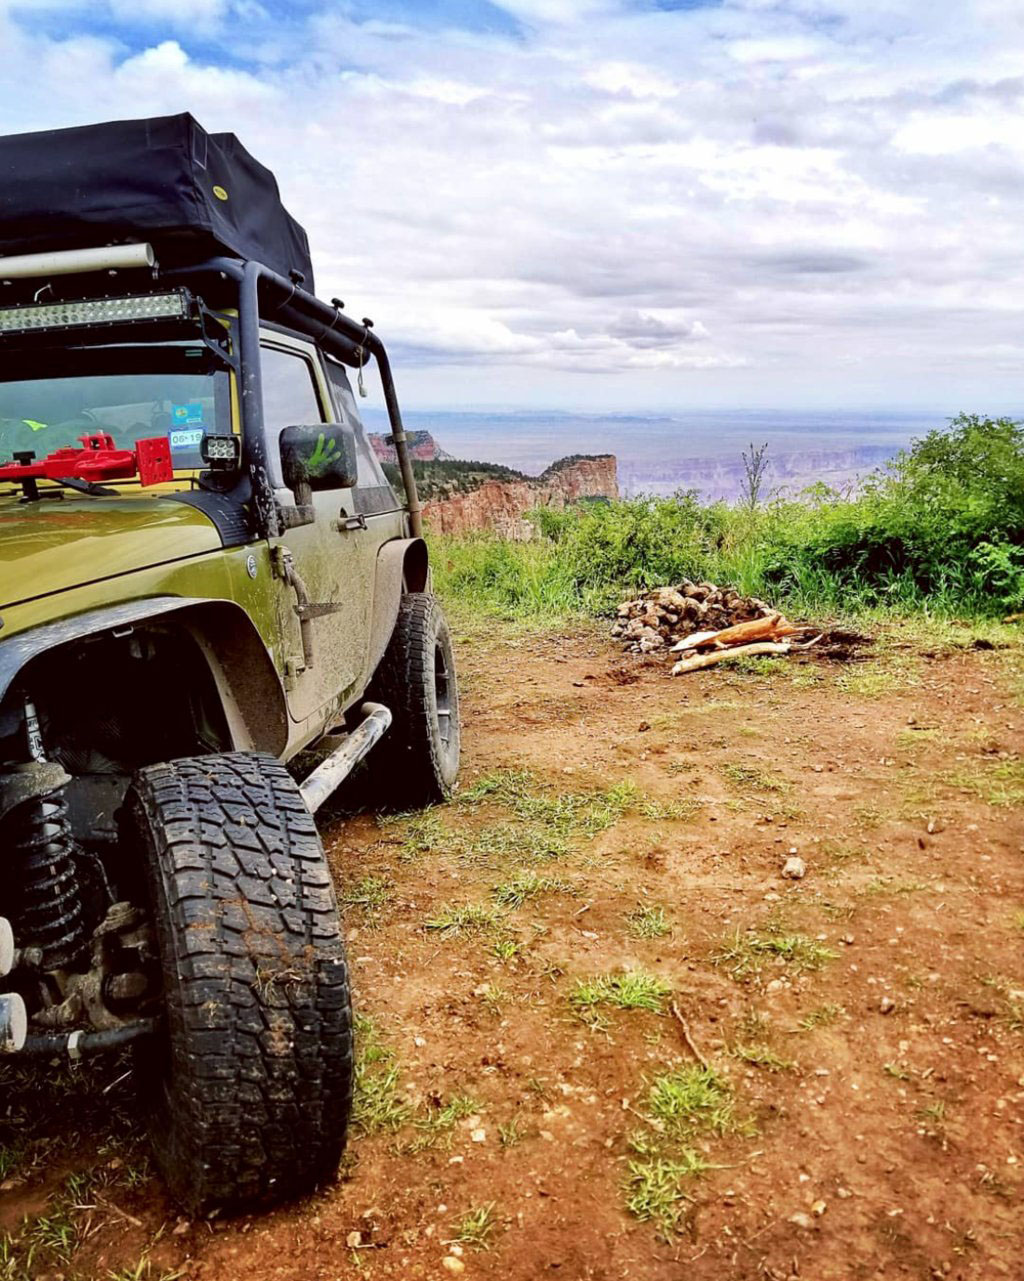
942	526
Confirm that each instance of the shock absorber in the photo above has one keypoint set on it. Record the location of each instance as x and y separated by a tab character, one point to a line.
47	911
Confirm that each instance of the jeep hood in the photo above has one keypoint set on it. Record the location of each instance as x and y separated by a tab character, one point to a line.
54	544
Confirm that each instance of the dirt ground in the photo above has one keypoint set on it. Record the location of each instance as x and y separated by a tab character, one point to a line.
602	1036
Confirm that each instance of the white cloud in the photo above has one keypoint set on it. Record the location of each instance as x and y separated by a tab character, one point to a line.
771	200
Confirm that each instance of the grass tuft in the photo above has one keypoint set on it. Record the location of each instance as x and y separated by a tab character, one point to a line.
370	893
761	1055
690	1099
745	954
751	778
476	1227
648	923
377	1104
514	893
824	1016
654	1187
633	990
469	918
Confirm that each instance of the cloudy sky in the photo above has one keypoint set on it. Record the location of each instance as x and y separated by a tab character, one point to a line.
654	204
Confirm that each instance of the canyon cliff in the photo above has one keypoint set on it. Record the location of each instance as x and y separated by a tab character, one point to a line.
422	447
501	503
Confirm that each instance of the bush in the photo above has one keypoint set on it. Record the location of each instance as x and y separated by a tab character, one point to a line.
942	527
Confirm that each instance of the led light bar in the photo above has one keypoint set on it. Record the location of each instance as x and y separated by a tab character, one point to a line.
93	311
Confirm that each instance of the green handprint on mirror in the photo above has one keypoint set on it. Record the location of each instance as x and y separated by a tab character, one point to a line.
325	453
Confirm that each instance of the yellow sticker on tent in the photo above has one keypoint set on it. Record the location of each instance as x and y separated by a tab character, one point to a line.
220	193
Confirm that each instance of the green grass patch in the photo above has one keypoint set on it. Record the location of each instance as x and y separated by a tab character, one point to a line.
436	1123
823	1016
466	918
419	833
632	990
692	1099
646	922
370	893
760	1055
874	680
506	950
510	1133
745	955
682	1106
377	1103
655	1188
568	814
476	1227
521	840
751	778
514	893
1000	783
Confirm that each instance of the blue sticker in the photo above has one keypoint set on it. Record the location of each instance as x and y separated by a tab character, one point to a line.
183	415
190	439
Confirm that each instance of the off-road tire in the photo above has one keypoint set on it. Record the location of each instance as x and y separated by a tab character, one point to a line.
248	1090
417	761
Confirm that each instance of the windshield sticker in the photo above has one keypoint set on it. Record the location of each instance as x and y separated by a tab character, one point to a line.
183	415
191	439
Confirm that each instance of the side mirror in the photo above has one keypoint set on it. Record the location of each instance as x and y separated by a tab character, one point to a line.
317	458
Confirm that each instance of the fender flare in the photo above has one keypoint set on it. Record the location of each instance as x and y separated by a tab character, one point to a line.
243	670
403	565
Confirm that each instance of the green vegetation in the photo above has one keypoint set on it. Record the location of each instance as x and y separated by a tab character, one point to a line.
633	990
370	893
999	783
418	833
509	1133
377	1104
691	1099
824	1016
760	1055
469	918
941	527
565	814
683	1105
476	1227
514	893
745	954
750	778
446	477
436	1124
506	949
648	923
654	1187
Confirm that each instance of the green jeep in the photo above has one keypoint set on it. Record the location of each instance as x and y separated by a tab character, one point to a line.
212	606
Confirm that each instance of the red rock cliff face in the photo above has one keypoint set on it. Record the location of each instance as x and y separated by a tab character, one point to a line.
501	505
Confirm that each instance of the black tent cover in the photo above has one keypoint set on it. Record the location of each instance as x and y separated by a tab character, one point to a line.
165	180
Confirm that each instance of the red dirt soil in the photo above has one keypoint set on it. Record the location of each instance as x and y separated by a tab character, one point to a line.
886	1131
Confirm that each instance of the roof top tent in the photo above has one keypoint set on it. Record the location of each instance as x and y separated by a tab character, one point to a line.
213	217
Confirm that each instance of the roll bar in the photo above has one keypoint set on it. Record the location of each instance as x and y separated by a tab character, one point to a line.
340	335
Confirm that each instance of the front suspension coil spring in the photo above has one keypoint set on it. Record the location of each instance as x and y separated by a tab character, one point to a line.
48	906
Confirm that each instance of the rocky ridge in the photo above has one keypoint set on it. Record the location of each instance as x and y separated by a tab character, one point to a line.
501	505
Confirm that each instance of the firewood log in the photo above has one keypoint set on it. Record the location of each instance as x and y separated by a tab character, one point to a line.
694	641
694	662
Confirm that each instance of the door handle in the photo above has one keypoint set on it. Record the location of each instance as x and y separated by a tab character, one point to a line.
350	522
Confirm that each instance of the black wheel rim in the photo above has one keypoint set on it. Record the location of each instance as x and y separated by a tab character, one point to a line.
443	695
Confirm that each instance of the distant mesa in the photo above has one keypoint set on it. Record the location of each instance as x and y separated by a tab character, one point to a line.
422	446
460	496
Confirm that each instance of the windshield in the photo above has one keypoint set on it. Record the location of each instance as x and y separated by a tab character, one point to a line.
51	412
